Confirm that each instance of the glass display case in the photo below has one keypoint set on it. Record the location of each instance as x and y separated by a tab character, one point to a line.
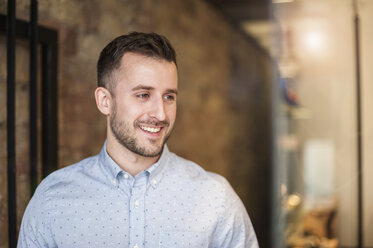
322	123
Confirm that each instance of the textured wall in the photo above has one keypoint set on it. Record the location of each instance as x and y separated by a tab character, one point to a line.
21	136
223	104
3	150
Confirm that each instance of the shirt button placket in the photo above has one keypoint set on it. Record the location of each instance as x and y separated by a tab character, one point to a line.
137	215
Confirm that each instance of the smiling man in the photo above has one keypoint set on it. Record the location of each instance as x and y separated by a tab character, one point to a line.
135	192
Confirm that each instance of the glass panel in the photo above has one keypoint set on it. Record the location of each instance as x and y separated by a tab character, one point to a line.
316	153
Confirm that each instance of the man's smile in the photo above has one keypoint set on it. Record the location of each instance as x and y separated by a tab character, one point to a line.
151	129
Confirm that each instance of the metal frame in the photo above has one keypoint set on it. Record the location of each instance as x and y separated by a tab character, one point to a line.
48	39
360	219
33	94
11	40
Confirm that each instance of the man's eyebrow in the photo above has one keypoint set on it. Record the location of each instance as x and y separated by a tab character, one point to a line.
173	91
142	87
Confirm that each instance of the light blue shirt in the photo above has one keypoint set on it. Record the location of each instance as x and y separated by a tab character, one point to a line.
174	203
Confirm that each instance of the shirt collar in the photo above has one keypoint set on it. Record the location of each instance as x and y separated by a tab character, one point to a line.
110	168
156	171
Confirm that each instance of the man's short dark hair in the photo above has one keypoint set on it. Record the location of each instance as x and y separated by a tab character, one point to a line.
148	44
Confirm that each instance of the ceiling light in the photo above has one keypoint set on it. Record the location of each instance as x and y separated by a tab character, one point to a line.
282	1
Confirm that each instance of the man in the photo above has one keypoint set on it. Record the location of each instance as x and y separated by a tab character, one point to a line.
135	192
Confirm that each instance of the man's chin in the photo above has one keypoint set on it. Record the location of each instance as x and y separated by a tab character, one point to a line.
152	154
150	150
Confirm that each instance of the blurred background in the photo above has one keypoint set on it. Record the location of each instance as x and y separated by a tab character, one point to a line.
274	95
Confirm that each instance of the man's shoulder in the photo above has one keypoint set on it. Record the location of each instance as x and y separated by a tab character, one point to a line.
195	173
66	174
55	183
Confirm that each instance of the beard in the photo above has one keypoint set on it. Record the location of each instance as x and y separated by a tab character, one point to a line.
125	135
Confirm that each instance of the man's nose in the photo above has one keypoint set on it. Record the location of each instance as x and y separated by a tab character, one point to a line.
158	109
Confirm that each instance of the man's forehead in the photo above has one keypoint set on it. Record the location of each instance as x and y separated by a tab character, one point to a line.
139	71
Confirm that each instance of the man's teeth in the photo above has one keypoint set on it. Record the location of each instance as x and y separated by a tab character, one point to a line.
151	129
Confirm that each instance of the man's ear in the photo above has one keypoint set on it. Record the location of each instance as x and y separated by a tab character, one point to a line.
104	100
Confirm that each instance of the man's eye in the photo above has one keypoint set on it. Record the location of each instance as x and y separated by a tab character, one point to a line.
169	97
142	96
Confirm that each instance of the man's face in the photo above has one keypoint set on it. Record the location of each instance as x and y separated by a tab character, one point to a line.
144	103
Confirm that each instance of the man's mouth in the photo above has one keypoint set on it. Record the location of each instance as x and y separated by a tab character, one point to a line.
151	129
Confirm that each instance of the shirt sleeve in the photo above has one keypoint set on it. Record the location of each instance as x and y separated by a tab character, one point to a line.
234	228
35	228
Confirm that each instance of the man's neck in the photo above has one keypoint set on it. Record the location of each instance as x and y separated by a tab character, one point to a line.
129	161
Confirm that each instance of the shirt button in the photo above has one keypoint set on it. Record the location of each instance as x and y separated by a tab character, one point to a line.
154	181
125	176
115	181
137	203
136	246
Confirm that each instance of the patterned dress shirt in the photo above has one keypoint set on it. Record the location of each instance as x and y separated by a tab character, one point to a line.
174	203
